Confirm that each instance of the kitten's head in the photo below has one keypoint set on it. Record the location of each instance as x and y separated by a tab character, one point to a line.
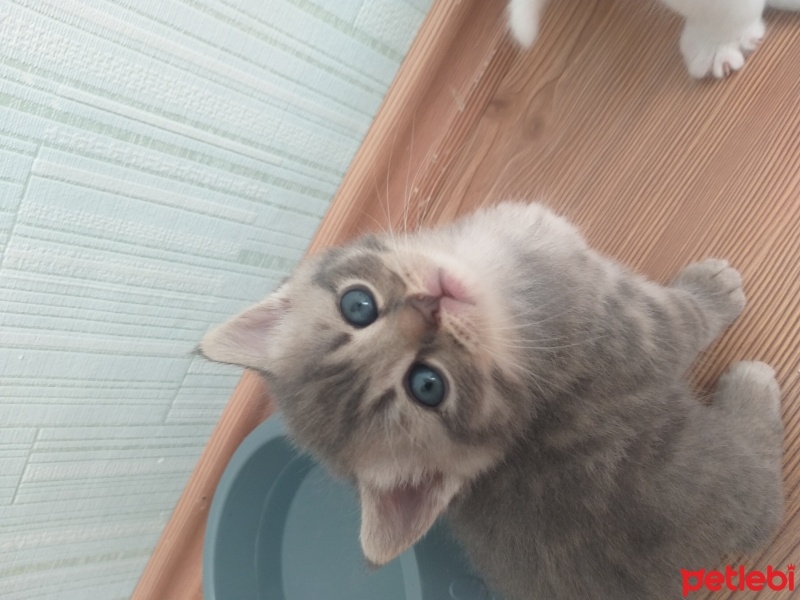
388	361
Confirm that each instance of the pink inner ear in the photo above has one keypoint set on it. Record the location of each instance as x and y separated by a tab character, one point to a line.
406	504
253	328
245	338
393	519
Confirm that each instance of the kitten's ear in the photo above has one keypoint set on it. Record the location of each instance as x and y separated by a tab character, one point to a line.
394	519
245	338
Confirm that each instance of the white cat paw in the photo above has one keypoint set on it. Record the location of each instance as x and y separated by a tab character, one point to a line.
705	55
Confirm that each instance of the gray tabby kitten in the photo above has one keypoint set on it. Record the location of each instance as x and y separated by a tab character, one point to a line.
501	372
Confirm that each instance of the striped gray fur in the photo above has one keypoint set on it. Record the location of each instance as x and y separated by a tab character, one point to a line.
569	455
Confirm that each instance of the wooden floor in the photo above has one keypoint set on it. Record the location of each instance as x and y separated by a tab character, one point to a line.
601	122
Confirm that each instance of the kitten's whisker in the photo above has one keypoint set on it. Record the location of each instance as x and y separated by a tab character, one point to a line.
536	379
388	434
388	228
525	342
515	326
446	167
412	439
381	226
425	162
380	416
560	347
518	324
388	174
517	366
534	335
423	207
537	308
406	196
417	173
500	358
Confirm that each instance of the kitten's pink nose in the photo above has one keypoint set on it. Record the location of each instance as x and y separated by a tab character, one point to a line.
427	306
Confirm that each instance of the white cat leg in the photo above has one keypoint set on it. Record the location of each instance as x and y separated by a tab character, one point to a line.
718	34
523	20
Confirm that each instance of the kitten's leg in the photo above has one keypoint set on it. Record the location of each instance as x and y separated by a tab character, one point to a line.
718	34
750	394
650	329
523	20
748	398
717	290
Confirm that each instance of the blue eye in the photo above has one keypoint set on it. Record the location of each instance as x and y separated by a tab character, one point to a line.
426	385
358	307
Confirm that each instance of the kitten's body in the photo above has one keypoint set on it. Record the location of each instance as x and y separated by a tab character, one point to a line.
717	34
569	453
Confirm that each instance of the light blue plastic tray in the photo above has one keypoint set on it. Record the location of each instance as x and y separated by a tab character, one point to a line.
280	528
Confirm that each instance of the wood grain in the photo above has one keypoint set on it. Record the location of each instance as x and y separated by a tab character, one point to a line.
601	122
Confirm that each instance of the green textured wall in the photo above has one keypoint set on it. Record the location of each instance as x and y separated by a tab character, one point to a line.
163	163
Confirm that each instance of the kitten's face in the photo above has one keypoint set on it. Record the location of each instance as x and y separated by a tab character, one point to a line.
385	361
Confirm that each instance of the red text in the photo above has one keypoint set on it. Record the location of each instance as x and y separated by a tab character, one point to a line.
738	579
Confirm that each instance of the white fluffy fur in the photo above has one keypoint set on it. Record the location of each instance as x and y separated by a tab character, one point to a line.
523	18
716	38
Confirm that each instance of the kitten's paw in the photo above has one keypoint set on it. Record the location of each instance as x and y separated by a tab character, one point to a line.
751	381
706	55
718	287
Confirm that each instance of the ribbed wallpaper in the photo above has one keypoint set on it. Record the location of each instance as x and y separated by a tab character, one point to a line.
163	163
